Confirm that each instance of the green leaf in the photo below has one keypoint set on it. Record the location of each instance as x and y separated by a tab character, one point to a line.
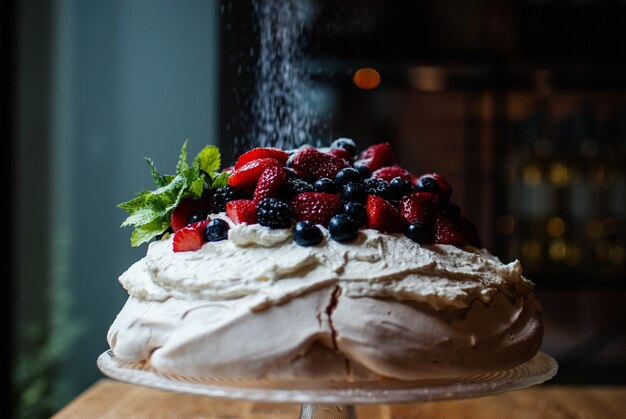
145	233
220	180
159	180
182	159
140	217
209	159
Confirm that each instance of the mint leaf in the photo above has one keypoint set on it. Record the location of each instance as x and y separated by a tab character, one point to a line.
150	211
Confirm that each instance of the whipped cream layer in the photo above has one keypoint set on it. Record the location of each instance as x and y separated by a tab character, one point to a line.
268	268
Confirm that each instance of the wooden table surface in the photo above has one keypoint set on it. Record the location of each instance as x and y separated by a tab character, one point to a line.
111	399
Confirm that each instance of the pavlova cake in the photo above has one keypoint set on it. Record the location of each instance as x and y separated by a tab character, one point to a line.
316	263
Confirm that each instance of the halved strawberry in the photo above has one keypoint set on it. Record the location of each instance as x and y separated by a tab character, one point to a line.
241	211
444	190
458	233
382	216
376	156
185	209
190	238
317	207
389	172
314	164
269	184
246	176
261	153
342	153
419	206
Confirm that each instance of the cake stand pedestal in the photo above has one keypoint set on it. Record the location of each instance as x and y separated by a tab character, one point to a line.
326	399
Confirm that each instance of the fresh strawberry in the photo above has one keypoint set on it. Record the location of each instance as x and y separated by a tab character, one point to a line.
317	207
190	238
382	216
389	172
269	184
246	176
376	156
455	232
241	211
342	153
312	163
185	209
419	206
262	153
443	188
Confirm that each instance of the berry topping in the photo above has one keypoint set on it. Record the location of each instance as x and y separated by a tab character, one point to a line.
294	186
347	175
445	190
363	170
399	187
378	187
242	211
188	211
325	185
344	144
274	213
356	211
306	233
270	183
216	230
419	232
246	176
262	153
343	228
419	206
382	216
449	231
427	184
353	192
376	156
317	207
389	172
224	195
190	238
342	154
314	164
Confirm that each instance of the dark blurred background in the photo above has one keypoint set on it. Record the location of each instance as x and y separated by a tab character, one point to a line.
521	105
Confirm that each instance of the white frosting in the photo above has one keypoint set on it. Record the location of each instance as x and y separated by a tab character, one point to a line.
269	267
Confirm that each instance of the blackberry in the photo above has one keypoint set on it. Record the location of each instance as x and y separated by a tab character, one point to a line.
378	187
224	195
294	186
274	213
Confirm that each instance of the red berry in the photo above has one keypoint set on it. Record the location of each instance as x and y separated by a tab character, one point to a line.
376	156
185	209
241	211
312	163
449	231
269	183
317	207
382	216
342	153
190	238
419	206
389	172
262	153
444	189
246	176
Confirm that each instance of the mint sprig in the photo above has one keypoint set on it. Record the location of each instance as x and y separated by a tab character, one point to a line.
150	211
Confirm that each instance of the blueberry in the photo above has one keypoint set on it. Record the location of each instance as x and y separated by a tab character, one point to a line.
427	184
363	170
399	187
347	175
418	232
343	228
356	211
345	143
274	213
195	218
305	233
216	230
354	192
325	185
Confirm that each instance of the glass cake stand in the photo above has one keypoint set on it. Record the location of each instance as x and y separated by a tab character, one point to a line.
324	399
